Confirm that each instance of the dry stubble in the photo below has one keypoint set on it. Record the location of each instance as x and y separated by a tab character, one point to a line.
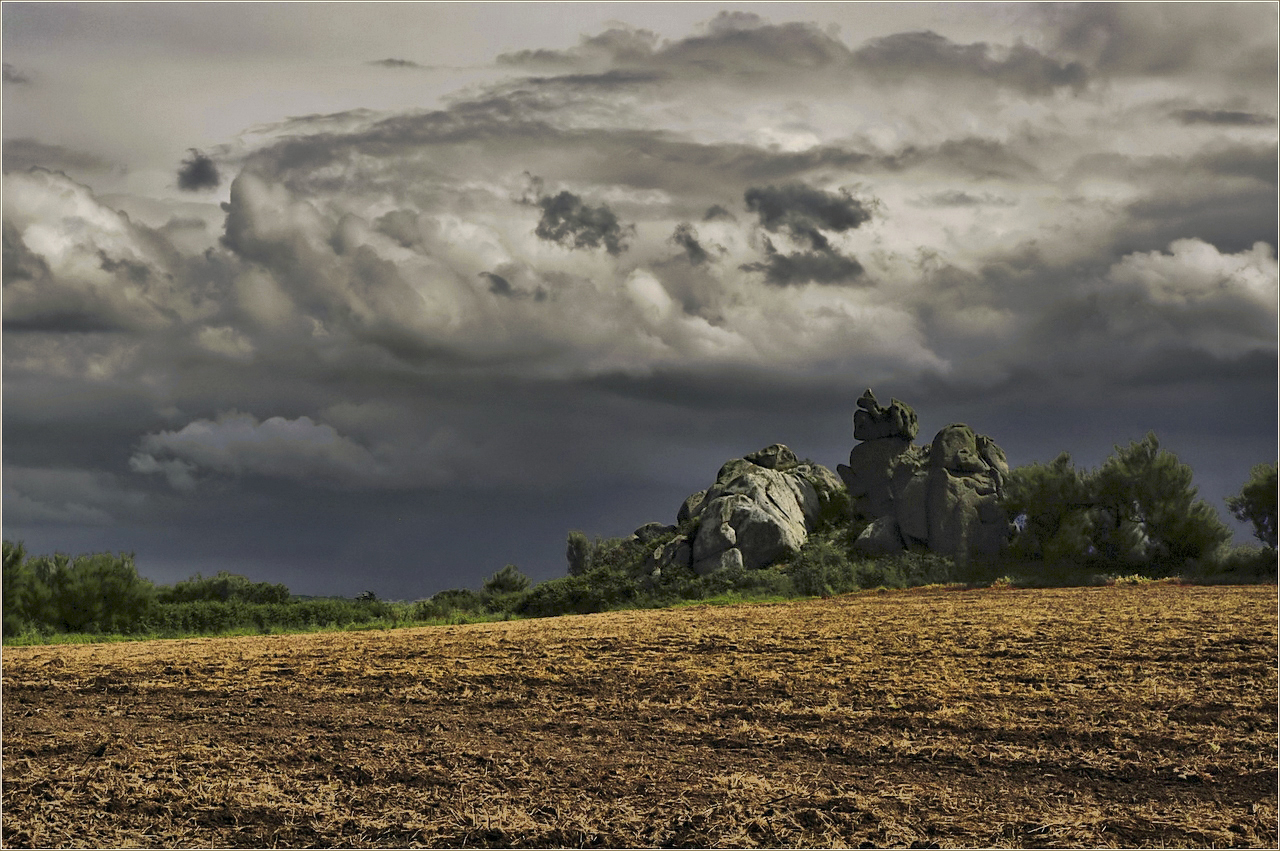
1079	717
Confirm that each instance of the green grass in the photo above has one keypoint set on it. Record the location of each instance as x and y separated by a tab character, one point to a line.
731	598
32	639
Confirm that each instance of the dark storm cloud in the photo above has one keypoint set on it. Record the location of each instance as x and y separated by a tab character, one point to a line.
55	309
615	79
620	45
1237	39
72	319
13	75
745	44
717	213
21	263
1256	162
1119	314
820	266
734	42
973	156
1230	219
540	56
198	172
22	154
1223	117
960	198
132	270
686	237
804	211
623	44
498	285
395	63
508	125
926	54
400	225
181	223
1223	194
501	286
1250	161
570	222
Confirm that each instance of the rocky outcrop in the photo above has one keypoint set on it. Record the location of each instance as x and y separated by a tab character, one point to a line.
944	497
760	511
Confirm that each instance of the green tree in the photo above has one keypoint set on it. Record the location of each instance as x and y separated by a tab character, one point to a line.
1139	508
1051	505
509	580
1149	508
100	593
578	553
21	591
1255	504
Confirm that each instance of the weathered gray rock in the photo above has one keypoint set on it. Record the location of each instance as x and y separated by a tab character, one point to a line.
874	422
881	537
727	559
955	448
945	497
775	457
911	506
692	505
869	475
650	532
677	552
761	507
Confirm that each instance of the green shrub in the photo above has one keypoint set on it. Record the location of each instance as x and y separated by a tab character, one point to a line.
1238	564
767	581
222	587
911	570
506	581
823	568
445	603
619	556
600	589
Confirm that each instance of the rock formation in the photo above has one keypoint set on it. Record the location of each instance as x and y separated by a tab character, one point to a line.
760	511
943	497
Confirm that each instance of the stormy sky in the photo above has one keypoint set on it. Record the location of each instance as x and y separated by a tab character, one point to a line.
383	297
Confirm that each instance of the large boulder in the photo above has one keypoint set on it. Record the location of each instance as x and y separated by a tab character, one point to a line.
650	532
759	511
944	497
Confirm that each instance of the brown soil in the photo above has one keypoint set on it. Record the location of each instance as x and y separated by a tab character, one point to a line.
1123	716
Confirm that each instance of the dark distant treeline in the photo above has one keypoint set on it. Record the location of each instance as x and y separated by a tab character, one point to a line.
102	594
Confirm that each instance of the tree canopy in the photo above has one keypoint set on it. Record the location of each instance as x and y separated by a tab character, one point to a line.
1256	503
1139	508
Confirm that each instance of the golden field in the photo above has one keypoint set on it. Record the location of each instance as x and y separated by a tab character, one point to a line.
1137	715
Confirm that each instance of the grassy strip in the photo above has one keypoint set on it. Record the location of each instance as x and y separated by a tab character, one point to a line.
30	639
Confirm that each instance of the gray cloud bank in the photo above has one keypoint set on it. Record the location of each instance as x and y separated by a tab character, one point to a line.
394	346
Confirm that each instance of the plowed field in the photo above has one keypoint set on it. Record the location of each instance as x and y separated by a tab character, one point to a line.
1142	715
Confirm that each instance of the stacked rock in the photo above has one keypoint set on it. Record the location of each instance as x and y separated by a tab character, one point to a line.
944	497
